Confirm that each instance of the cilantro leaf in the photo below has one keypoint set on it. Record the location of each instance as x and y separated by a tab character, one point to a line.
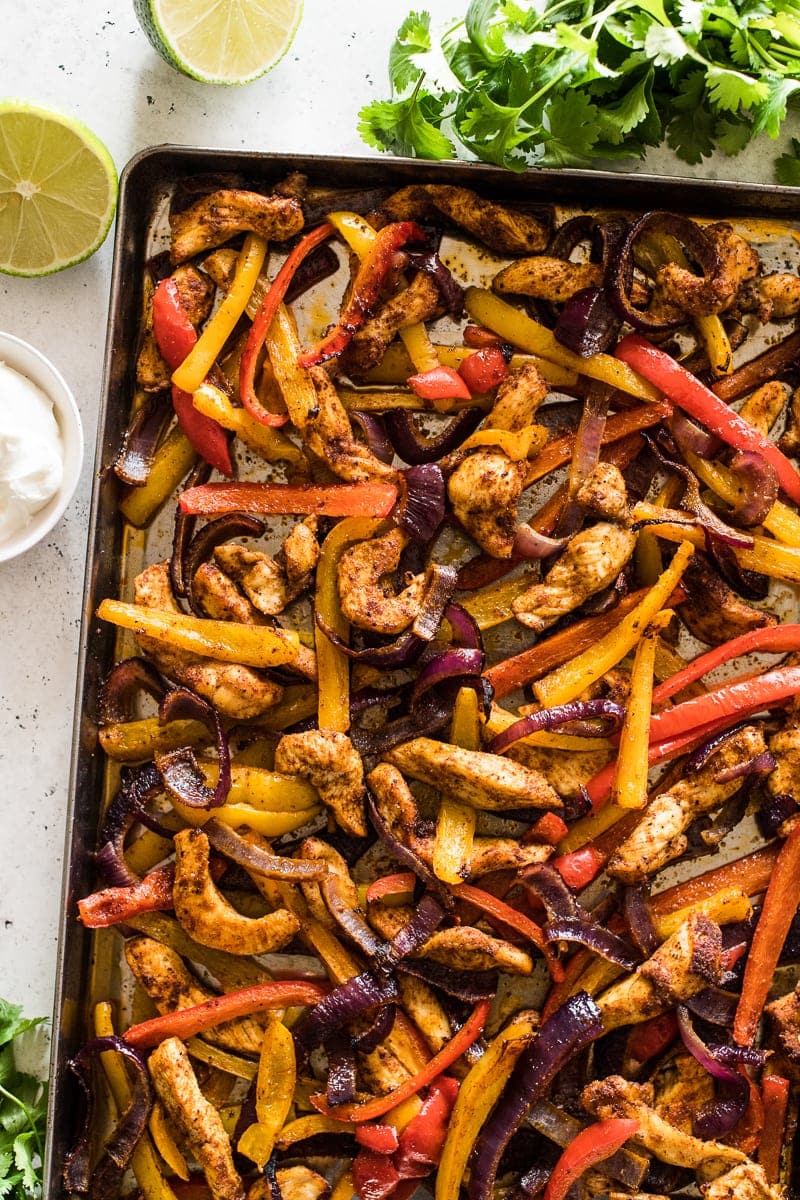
787	167
413	38
731	90
481	31
573	127
772	113
690	132
633	110
23	1108
494	131
401	126
732	134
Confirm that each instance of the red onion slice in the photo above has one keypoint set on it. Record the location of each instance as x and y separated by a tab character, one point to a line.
758	480
421	510
562	714
415	448
121	687
140	440
178	768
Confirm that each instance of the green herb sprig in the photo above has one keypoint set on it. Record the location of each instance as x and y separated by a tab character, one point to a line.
23	1109
569	82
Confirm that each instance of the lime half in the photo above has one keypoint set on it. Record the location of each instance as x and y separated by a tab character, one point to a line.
220	41
58	190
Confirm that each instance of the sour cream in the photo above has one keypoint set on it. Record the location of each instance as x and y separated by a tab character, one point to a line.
31	451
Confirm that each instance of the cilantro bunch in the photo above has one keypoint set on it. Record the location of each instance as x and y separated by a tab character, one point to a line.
23	1108
567	82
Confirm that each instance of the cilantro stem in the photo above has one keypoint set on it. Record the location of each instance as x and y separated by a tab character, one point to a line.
28	1117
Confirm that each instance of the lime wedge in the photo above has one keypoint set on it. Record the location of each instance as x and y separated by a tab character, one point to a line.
220	41
58	190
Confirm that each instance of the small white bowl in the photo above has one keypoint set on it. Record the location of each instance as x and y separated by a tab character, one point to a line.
29	361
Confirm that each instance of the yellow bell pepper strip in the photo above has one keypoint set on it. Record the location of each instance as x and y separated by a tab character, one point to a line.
491	605
726	906
419	347
775	1098
569	680
174	460
717	343
275	1083
267	790
306	1127
370	499
270	443
262	321
479	1092
368	1110
294	383
593	1145
138	741
683	389
780	905
584	831
333	668
630	786
520	330
620	425
781	521
188	1021
144	1160
455	825
222	1060
345	1188
367	286
297	704
227	641
165	1143
194	368
268	824
518	444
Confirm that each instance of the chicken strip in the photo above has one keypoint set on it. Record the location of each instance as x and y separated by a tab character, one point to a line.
762	407
301	552
420	301
197	1121
682	1087
604	493
783	779
591	562
506	230
484	781
220	266
484	491
773	297
518	398
235	691
295	1183
616	1097
172	987
553	279
701	295
261	578
216	218
220	598
196	294
328	434
463	948
566	773
330	762
713	612
365	600
790	440
744	1182
659	838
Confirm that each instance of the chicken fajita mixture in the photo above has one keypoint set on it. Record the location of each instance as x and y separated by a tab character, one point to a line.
453	837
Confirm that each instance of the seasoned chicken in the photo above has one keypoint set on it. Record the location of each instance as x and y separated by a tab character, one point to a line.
552	279
784	779
592	561
214	219
616	1097
198	1122
207	916
220	598
784	1016
660	836
773	297
762	407
328	434
744	1182
220	266
688	961
604	493
196	294
420	301
261	578
301	554
330	762
566	773
368	602
316	895
713	612
484	491
172	987
700	295
503	229
682	1087
235	691
518	398
423	1007
463	948
295	1183
483	781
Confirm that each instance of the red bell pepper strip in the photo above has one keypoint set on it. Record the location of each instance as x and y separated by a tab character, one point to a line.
112	906
369	282
375	1176
262	321
651	1038
780	904
579	868
381	1139
368	1110
484	370
478	337
593	1145
511	917
189	1021
685	390
440	383
775	1097
175	336
391	885
329	500
422	1140
731	702
549	828
775	639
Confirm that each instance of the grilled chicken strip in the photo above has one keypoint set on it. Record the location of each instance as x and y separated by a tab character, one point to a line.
518	398
261	577
171	986
216	218
197	1121
553	279
463	948
481	780
330	762
744	1182
772	297
235	691
784	1016
314	849
484	491
688	961
616	1097
295	1183
700	295
713	612
328	434
592	561
604	493
207	916
660	835
503	229
196	294
763	406
366	601
682	1086
420	301
220	598
783	779
566	773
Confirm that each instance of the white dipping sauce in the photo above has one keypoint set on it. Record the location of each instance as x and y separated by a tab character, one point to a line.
31	451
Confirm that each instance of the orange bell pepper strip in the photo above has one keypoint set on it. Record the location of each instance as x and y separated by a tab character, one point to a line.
262	321
189	1021
373	499
751	873
368	1110
688	393
780	904
398	888
620	425
512	917
775	1097
114	904
593	1145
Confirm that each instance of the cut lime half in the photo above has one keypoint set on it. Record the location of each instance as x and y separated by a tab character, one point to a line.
220	41
58	190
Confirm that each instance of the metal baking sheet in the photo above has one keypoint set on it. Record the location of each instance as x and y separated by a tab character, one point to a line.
145	184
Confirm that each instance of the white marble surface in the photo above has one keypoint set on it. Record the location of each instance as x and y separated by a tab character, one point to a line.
90	58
